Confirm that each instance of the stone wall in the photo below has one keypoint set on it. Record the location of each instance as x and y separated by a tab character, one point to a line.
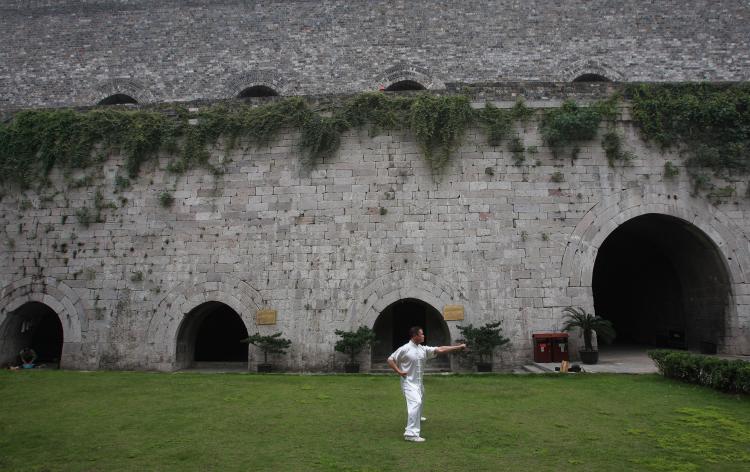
330	248
62	53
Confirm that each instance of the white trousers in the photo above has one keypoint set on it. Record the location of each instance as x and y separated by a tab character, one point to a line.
414	395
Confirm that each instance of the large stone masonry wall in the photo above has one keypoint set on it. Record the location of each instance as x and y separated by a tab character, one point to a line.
65	53
330	248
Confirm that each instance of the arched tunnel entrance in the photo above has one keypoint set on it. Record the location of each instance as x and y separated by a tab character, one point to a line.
392	330
211	333
663	283
33	325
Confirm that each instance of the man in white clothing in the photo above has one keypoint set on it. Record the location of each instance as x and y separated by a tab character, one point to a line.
408	362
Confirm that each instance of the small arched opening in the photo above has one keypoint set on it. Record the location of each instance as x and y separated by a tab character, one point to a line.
662	282
33	325
118	99
210	335
405	85
258	91
392	330
591	77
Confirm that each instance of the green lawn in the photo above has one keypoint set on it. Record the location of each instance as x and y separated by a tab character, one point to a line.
105	421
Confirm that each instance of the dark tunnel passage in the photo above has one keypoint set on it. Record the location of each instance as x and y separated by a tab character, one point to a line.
662	283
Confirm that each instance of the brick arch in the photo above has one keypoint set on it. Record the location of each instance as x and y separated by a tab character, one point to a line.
607	215
239	82
405	71
570	71
171	310
126	86
394	286
63	300
604	217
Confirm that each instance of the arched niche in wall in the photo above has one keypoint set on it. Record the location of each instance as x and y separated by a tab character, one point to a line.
254	84
407	77
404	85
118	91
588	71
591	77
258	91
45	308
118	99
707	259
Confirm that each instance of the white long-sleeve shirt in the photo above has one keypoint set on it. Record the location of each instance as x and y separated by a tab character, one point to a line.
411	358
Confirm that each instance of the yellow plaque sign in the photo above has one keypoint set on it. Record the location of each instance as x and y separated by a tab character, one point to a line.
265	317
453	312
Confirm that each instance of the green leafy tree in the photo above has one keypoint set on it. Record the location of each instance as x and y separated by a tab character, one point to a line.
587	322
483	340
273	344
352	342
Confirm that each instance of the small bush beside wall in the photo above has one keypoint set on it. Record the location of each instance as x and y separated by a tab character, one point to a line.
721	374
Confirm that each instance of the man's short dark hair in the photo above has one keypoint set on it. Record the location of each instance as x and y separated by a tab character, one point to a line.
414	330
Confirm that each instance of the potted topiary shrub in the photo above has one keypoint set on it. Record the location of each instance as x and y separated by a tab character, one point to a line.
481	343
272	344
352	343
588	323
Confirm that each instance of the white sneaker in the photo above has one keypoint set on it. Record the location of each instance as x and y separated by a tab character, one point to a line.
414	438
423	419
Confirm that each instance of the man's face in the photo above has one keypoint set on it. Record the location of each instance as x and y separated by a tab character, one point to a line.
418	338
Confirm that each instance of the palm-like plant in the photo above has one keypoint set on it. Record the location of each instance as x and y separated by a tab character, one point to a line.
588	322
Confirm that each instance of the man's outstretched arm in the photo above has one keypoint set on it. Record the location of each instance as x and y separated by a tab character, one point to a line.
447	349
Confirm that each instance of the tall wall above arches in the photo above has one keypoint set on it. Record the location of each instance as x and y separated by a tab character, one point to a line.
68	53
332	247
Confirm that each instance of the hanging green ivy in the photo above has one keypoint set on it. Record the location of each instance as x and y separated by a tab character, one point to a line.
563	128
35	141
439	124
709	123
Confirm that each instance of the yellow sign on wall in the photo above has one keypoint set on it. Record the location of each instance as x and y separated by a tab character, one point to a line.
453	312
265	317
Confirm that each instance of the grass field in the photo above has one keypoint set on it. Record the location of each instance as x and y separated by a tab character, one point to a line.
108	421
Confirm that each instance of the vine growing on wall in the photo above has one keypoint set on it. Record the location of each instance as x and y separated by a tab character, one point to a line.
708	123
35	141
564	128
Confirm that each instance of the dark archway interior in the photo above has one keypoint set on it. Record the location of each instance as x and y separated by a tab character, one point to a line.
37	326
392	328
591	78
211	332
404	85
258	91
118	99
662	283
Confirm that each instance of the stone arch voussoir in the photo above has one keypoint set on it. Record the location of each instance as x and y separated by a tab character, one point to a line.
53	293
127	86
239	82
403	71
394	286
569	71
63	300
171	310
606	216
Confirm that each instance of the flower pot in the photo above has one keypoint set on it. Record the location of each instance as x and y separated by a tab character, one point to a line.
588	357
484	367
351	368
265	367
